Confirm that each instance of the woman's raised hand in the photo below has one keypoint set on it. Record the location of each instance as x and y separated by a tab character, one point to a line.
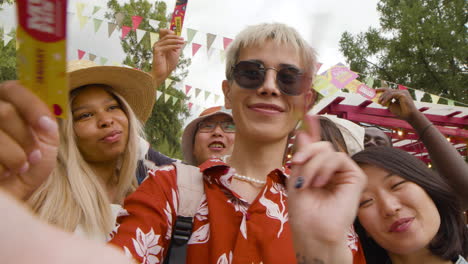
29	140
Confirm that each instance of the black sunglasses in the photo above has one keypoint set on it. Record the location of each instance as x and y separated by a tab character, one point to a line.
251	75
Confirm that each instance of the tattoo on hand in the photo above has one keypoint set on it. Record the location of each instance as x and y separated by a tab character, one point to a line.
303	260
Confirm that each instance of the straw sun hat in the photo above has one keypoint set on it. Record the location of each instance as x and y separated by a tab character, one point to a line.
134	85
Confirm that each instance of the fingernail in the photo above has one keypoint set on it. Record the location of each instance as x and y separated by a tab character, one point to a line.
35	156
47	124
25	168
299	182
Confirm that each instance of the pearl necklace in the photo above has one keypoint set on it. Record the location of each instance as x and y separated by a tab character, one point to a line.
248	179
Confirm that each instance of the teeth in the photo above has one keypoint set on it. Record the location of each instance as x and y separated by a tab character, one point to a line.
216	145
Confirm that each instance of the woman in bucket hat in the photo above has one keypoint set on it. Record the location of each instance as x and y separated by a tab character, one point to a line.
208	136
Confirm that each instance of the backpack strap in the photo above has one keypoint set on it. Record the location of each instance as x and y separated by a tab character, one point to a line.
191	190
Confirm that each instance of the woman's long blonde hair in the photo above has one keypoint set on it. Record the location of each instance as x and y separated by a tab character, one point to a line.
73	194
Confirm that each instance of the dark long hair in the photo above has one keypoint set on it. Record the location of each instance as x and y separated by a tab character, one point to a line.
451	239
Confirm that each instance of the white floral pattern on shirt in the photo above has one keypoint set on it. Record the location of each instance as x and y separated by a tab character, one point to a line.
274	210
146	246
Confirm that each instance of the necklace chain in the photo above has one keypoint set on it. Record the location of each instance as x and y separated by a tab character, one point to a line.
248	179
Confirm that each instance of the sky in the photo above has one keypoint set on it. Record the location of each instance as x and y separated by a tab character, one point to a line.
320	22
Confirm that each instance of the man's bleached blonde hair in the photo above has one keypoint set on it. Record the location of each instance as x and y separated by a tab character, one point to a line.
282	34
74	194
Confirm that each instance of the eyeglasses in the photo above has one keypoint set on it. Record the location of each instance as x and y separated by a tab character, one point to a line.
251	75
207	127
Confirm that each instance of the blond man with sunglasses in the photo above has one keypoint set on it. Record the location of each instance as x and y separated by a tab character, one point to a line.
245	215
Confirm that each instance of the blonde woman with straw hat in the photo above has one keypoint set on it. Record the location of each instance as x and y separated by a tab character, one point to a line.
99	143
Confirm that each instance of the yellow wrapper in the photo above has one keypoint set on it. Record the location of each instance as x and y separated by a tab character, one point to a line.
42	51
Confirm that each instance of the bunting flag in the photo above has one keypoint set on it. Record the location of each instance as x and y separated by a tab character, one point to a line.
434	98
190	34
110	28
154	23
83	21
216	98
81	53
402	87
153	38
97	24
140	34
190	106
210	38
174	100
187	89
103	61
419	95
79	9
119	17
210	53
7	39
369	81
197	92
136	20
226	42
158	94
450	102
318	65
96	9
168	82
195	48
91	56
166	97
207	94
125	31
222	55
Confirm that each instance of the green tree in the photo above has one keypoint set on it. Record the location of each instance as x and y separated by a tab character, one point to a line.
164	127
420	43
7	57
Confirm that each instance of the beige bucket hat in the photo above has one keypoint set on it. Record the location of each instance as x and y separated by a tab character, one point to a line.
135	86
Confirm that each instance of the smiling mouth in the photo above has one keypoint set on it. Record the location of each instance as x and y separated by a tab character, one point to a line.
216	146
266	108
401	225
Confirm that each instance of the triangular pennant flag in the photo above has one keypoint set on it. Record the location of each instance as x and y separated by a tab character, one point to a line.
318	65
369	81
110	28
96	9
168	82
190	34
222	55
174	100
79	8
197	92
81	53
207	94
195	48
140	34
7	39
119	17
153	38
226	42
136	20
419	95
450	102
166	97
434	98
209	40
210	53
190	106
216	98
97	24
158	94
187	89
92	57
154	23
125	31
402	87
103	60
83	21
